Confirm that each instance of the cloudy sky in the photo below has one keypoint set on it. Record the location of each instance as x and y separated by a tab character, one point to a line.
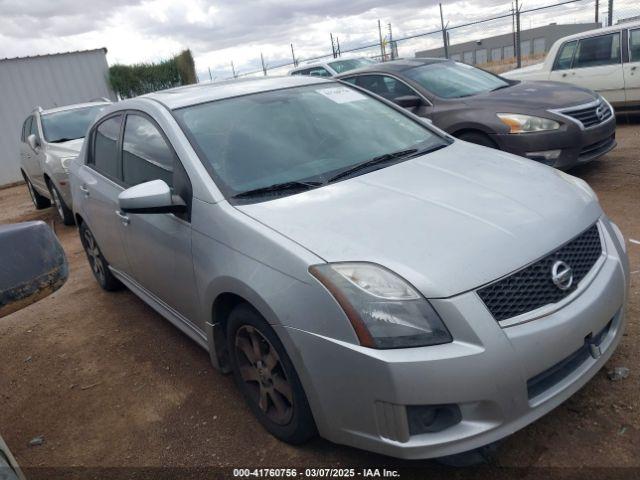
222	31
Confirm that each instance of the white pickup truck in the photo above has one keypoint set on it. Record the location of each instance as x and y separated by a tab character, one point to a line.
606	60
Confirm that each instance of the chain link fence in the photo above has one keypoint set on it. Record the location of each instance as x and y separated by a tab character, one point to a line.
517	21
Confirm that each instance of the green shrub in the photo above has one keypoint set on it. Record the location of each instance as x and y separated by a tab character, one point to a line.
133	80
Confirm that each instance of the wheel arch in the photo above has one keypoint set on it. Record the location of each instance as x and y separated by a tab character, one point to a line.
224	297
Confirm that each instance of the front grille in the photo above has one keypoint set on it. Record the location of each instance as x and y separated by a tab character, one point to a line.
532	287
589	116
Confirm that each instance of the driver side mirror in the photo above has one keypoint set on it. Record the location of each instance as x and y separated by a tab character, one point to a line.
33	142
150	197
408	101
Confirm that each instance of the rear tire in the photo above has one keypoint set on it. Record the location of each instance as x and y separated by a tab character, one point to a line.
39	201
478	138
97	262
61	207
266	377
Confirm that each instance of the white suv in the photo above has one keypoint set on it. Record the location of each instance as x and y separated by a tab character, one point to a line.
606	60
50	140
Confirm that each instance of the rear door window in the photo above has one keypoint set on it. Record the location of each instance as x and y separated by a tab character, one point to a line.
26	128
565	56
385	86
598	51
105	158
634	45
146	155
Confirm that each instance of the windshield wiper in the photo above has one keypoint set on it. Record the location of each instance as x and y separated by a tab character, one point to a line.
499	88
372	162
64	139
278	187
409	153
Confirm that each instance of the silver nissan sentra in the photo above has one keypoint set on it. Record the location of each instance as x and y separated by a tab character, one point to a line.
363	275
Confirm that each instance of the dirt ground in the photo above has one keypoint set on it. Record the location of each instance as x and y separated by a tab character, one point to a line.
108	383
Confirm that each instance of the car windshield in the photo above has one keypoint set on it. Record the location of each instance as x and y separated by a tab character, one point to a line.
341	66
69	124
455	80
303	134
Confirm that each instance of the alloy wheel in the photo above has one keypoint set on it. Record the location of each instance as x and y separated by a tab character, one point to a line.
262	371
95	258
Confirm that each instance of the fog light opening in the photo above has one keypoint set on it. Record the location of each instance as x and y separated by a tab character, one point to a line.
546	156
432	418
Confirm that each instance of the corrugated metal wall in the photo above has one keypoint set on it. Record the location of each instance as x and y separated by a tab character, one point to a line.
46	81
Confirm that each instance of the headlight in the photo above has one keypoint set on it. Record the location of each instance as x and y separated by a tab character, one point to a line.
385	311
66	163
618	233
525	123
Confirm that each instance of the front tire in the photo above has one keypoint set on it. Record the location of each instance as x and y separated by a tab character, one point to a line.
97	262
61	207
266	377
39	201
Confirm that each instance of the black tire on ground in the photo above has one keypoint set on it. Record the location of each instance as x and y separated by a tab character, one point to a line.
66	214
478	138
266	377
97	262
39	201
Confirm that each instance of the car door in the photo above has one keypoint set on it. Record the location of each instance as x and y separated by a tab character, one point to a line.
37	158
100	184
26	153
596	64
632	69
158	245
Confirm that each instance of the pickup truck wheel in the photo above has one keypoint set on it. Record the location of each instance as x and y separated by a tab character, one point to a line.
478	138
61	207
39	201
97	262
266	377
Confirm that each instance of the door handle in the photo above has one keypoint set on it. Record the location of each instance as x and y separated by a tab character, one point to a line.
85	190
124	218
564	75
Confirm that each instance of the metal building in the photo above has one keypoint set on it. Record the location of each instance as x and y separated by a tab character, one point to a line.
533	42
46	81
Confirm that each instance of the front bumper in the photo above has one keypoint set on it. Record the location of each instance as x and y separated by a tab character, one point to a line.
359	395
576	145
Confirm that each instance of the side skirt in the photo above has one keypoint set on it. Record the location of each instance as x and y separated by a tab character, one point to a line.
179	321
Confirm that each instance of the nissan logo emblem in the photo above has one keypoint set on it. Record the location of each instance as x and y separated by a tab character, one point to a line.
561	275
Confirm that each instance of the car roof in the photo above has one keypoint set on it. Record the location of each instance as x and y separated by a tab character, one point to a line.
206	92
394	66
71	107
613	28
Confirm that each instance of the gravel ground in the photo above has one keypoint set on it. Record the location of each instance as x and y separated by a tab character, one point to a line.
108	383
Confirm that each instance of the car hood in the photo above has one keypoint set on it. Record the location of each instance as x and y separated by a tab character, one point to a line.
72	147
533	95
515	73
448	221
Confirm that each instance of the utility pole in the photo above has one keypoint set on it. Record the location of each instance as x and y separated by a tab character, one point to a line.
338	52
264	68
597	10
393	57
381	42
333	46
513	26
444	34
610	19
517	49
233	69
293	56
210	77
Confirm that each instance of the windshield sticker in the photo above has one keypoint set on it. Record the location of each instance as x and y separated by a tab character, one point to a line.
341	94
